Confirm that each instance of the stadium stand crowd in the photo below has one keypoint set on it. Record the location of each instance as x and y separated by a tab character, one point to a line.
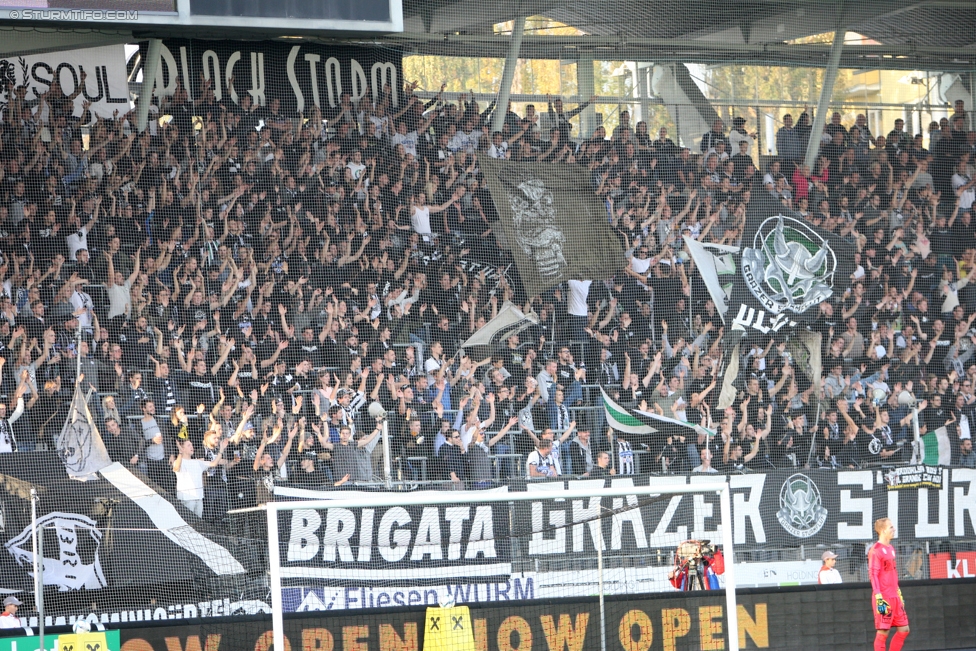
246	284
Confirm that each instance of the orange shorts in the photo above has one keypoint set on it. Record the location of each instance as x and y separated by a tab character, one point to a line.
897	617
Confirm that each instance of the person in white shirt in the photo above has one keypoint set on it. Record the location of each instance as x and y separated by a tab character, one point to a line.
355	164
8	618
541	463
579	291
420	213
557	442
499	146
8	442
189	474
82	301
466	139
118	287
827	573
467	422
78	239
706	462
408	139
433	363
964	186
379	122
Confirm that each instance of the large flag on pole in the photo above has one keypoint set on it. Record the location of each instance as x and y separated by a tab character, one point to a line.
787	267
556	227
79	444
509	321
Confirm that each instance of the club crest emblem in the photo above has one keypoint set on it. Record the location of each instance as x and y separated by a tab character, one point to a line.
536	230
801	511
789	267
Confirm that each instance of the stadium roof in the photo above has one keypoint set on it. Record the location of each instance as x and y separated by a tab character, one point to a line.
937	35
903	34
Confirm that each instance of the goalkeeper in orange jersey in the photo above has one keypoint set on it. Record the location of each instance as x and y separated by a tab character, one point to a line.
889	606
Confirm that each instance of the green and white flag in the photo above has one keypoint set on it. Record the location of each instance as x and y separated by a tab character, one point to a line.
635	421
620	418
936	448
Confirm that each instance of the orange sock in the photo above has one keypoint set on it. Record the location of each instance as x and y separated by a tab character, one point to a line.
898	640
880	640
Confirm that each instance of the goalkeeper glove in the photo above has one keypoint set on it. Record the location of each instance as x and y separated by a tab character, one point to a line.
884	608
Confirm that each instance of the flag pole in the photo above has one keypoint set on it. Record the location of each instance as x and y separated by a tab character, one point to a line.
816	425
38	568
78	354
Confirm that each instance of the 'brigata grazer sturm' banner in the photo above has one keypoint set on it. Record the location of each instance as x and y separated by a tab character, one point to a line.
331	546
115	533
300	76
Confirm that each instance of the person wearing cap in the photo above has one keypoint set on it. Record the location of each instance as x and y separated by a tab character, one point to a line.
829	574
8	618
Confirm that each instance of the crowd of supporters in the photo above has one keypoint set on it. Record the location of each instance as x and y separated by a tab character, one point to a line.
246	282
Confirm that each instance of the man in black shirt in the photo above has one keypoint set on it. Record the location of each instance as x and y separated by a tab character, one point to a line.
941	237
311	474
121	446
451	459
849	454
601	466
934	415
311	349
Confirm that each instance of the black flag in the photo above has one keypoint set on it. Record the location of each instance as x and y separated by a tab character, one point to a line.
787	267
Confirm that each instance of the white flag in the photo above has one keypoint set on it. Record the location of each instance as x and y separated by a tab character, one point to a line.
509	321
79	444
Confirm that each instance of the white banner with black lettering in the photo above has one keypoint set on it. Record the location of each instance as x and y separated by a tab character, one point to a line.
105	84
380	544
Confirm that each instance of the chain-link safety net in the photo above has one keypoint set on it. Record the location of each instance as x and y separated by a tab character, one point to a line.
597	243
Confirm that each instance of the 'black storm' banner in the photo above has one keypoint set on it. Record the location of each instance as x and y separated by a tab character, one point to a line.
301	76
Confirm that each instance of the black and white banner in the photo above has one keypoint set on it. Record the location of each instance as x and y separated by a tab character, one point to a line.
105	85
784	508
300	76
117	535
781	508
413	543
110	533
